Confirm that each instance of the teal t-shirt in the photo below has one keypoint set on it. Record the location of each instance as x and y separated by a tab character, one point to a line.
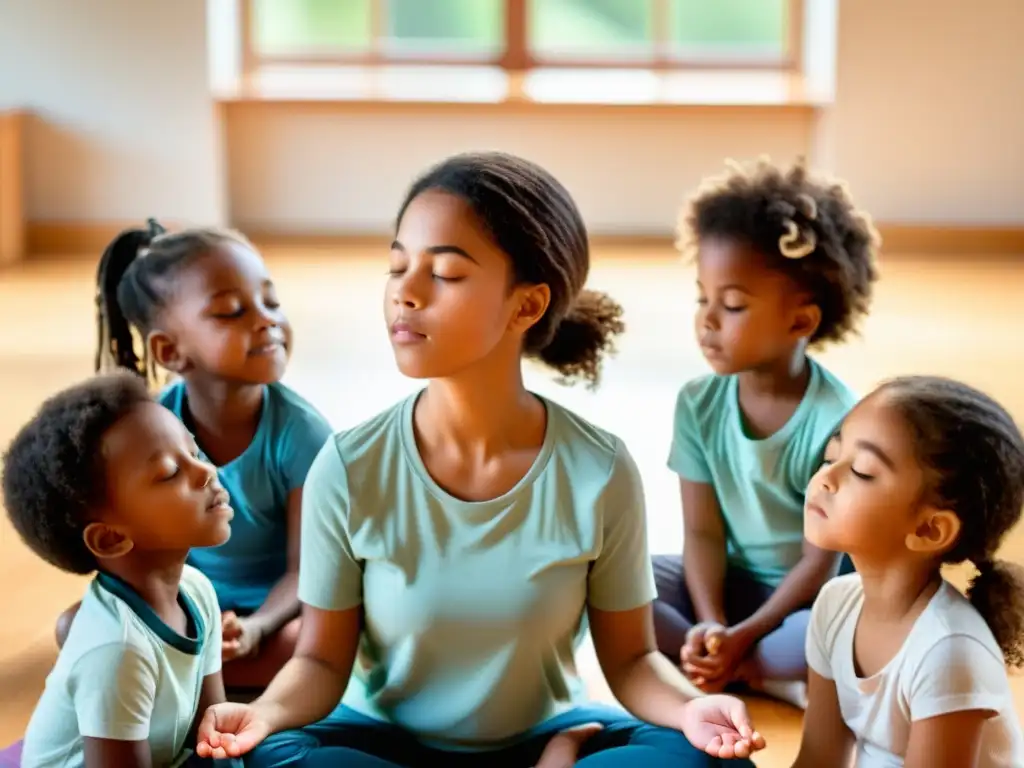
471	609
760	484
290	434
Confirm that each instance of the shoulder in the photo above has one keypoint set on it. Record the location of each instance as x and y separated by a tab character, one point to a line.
172	396
833	399
952	633
586	449
105	636
704	391
198	587
836	603
293	413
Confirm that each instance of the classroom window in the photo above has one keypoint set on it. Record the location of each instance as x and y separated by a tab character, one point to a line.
524	33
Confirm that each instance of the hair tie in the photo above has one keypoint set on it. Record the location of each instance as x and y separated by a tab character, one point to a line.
797	243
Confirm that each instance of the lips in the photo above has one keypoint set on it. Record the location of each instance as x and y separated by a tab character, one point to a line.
267	348
814	509
220	503
405	333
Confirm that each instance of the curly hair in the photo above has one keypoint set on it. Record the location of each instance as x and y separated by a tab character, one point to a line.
808	228
535	222
133	283
53	476
974	454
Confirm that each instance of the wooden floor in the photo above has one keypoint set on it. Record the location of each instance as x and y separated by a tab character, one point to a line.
957	317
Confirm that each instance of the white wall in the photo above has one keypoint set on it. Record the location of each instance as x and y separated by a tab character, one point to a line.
124	125
929	118
927	126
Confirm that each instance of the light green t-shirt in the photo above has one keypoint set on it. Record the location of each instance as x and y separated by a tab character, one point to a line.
471	608
125	675
760	484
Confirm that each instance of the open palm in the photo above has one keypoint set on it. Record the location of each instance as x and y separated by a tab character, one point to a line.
721	727
230	730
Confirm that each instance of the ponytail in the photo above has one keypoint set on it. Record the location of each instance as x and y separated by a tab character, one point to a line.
997	593
118	305
583	338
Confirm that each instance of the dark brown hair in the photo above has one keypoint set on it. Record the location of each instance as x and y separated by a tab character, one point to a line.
974	454
134	282
53	474
832	255
534	220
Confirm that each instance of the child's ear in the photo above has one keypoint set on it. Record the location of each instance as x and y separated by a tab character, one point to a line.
935	532
166	353
806	320
106	541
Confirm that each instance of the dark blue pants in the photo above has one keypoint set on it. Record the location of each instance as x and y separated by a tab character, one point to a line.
348	739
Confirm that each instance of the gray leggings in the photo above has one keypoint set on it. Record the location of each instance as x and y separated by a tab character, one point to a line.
780	654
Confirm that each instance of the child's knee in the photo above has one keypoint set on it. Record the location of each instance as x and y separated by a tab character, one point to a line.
64	622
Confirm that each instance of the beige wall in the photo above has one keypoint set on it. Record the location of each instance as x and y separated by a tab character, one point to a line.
927	126
124	126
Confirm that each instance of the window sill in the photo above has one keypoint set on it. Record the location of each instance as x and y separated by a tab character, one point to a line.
492	86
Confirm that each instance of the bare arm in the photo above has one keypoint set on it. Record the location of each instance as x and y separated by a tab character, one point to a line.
282	604
310	685
646	683
947	741
797	590
703	550
826	739
107	753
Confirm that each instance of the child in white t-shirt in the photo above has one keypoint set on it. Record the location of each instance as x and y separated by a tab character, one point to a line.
905	670
105	479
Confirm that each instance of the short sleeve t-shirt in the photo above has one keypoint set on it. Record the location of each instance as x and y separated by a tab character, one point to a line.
950	662
290	433
760	483
124	675
472	609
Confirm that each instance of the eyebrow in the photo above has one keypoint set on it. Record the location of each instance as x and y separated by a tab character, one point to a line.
867	445
730	287
267	283
437	250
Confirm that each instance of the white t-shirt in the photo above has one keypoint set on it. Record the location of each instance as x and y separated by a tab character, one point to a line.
125	675
950	662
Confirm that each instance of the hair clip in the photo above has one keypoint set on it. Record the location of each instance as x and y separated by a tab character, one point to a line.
796	244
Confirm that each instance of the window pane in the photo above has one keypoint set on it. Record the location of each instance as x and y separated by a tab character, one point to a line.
590	28
300	27
474	28
723	28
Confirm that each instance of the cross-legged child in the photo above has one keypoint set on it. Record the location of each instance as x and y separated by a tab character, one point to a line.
906	670
206	309
105	479
785	264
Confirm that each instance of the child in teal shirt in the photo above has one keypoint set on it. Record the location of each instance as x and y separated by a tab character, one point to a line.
785	263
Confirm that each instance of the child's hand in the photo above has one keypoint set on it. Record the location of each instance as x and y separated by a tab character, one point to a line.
697	656
240	637
564	747
230	730
721	727
725	650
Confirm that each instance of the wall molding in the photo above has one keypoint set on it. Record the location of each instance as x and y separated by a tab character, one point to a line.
46	238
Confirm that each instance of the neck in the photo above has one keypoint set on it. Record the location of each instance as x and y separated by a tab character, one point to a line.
892	590
479	410
786	376
155	576
220	406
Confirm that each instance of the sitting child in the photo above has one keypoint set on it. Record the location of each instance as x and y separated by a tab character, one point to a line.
208	311
105	479
785	264
905	670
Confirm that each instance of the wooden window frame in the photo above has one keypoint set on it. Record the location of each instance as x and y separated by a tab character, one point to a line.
517	56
